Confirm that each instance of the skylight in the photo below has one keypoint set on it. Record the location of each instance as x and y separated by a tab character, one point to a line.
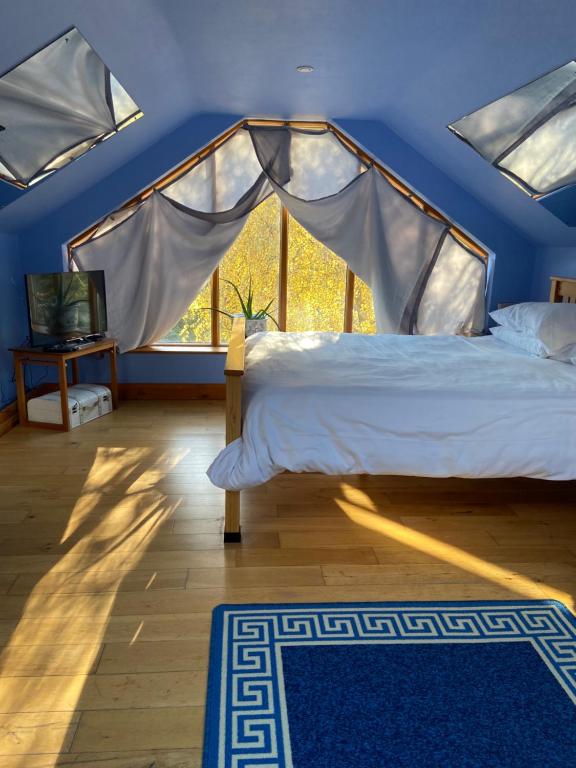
55	106
529	134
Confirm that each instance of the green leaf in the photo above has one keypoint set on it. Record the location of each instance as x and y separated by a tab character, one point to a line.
250	297
263	312
221	311
267	307
240	299
273	320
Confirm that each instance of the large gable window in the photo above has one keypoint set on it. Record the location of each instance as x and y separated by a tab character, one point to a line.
306	218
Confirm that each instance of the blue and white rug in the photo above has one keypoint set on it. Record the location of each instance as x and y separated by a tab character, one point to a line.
392	685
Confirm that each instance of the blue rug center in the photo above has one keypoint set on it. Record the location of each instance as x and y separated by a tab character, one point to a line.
462	705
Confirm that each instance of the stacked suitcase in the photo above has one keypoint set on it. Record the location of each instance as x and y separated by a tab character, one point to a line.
85	402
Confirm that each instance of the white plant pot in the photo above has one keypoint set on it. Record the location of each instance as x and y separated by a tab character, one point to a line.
256	326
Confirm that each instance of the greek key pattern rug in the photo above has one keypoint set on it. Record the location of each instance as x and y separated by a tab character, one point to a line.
365	685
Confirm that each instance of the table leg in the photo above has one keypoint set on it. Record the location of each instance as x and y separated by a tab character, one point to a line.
63	382
20	391
75	371
113	377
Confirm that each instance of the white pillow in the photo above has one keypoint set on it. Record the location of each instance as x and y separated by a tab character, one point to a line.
520	340
531	344
566	354
553	324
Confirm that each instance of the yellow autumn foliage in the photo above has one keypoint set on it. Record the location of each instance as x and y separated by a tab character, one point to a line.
316	282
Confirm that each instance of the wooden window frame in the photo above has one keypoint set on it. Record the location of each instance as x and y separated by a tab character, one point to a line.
363	157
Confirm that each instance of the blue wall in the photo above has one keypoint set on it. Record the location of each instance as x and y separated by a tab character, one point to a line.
9	193
172	368
13	322
41	245
549	262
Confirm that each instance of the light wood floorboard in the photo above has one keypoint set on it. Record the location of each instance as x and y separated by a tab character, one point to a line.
111	561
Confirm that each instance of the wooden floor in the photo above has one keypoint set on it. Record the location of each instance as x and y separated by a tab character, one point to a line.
111	559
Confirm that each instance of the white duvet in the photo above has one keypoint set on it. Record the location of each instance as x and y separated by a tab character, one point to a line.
433	406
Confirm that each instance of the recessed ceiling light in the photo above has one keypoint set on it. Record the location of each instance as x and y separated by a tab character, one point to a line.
304	68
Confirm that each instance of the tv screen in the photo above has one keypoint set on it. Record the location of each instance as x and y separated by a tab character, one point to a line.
66	305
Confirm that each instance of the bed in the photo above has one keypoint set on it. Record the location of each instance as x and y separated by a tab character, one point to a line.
432	406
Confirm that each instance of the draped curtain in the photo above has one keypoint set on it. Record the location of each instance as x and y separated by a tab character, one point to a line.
158	254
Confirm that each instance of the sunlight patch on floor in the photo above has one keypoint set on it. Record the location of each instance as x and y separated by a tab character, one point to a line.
362	512
111	470
94	560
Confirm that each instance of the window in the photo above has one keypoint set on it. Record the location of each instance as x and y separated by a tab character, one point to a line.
55	106
529	134
312	288
254	255
196	325
316	283
363	319
306	286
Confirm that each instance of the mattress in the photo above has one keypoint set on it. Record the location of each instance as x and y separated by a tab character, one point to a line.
430	406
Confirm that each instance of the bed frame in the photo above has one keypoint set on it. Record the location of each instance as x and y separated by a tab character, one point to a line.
562	289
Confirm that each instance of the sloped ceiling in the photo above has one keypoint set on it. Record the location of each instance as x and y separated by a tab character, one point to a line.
415	65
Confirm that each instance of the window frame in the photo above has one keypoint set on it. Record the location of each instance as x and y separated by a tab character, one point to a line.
364	159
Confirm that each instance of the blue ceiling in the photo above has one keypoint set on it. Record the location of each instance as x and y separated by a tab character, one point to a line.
415	65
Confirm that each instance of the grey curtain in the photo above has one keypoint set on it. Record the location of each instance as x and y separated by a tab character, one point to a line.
156	261
453	294
384	239
422	280
159	254
55	106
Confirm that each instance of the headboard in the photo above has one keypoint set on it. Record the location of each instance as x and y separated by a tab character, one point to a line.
563	289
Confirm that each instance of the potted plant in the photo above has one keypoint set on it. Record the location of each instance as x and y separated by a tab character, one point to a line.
256	319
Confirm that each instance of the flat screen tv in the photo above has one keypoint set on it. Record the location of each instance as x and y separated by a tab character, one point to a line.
66	305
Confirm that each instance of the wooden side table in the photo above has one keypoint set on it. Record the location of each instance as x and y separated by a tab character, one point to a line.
35	356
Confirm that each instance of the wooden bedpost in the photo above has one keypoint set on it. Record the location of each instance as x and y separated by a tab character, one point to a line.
563	289
554	289
234	371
